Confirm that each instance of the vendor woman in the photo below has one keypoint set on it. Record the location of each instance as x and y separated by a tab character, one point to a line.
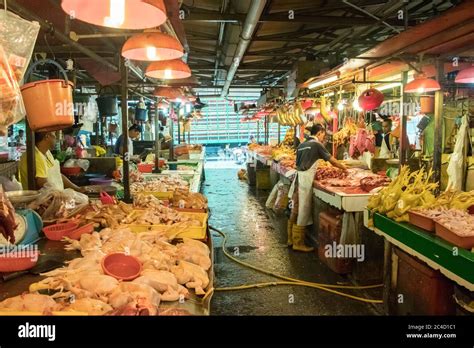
301	191
47	171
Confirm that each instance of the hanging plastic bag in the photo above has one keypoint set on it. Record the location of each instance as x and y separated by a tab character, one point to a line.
456	159
17	40
12	108
272	197
281	201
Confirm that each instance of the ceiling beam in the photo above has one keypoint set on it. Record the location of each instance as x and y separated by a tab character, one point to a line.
333	21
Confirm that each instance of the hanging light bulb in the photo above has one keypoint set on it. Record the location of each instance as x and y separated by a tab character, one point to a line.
355	105
123	14
168	69
340	106
152	46
117	14
168	93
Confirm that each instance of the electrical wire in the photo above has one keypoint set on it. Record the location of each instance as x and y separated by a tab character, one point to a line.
291	281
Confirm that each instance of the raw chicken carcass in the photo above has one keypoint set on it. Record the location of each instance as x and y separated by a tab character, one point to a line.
29	302
140	296
89	305
195	252
193	276
163	282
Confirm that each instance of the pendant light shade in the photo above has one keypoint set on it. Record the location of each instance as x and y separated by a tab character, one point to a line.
422	84
122	14
169	93
465	76
168	70
152	46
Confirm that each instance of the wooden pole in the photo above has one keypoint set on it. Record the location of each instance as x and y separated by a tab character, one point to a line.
171	155
126	157
156	121
403	141
30	156
438	119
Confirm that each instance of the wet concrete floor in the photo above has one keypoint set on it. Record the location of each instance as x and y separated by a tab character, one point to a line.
255	235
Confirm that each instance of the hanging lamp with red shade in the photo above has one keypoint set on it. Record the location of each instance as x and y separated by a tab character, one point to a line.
465	75
422	84
152	46
168	93
121	14
168	70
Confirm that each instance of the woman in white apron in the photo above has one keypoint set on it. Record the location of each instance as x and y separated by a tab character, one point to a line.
307	156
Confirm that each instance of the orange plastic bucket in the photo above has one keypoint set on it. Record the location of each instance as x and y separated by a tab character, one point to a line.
427	104
48	103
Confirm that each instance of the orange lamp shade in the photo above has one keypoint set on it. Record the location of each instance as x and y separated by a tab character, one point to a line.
167	93
422	84
465	76
168	70
152	46
122	14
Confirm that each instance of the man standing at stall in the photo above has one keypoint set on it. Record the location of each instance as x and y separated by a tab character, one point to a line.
47	170
384	141
301	191
134	132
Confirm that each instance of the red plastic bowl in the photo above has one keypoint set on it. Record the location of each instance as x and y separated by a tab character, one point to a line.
121	266
14	263
145	168
58	231
77	233
70	170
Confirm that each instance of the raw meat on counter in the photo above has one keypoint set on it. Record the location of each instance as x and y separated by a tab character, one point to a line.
162	184
168	272
457	221
190	200
330	173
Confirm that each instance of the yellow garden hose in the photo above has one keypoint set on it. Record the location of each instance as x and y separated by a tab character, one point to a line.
289	280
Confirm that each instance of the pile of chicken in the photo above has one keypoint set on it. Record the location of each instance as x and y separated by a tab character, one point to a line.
161	184
407	191
189	200
160	215
169	272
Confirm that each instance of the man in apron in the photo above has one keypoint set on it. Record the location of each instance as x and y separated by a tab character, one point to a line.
301	190
47	169
384	141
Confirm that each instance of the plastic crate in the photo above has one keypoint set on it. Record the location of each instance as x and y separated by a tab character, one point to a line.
194	232
330	229
419	220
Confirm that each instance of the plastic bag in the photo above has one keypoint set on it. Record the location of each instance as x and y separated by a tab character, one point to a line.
456	159
54	204
17	40
12	108
272	197
82	163
282	199
10	185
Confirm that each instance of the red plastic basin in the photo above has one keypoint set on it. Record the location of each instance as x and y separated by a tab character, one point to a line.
121	266
18	262
58	231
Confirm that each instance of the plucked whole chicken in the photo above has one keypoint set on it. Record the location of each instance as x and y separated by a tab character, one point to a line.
169	273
